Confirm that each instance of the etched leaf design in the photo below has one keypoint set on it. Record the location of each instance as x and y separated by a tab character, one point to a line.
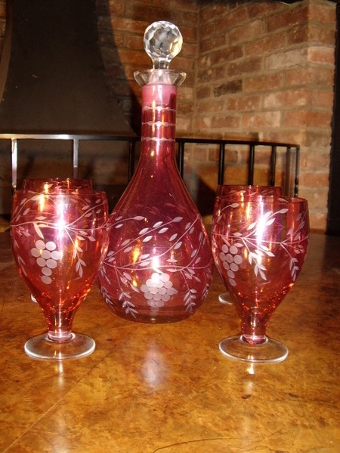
38	230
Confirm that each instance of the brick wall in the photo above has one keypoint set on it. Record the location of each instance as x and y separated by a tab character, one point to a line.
255	70
267	69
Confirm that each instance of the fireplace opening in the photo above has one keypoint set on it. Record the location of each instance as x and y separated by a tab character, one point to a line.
56	83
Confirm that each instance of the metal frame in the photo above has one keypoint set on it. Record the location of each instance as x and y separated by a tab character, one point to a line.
132	140
251	164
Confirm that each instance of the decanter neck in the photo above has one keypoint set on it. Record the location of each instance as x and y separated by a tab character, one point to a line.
158	118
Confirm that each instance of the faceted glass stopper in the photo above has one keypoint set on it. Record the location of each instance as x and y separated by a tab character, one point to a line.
162	42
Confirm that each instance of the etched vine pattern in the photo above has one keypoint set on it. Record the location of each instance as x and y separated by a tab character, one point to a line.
247	246
45	251
158	288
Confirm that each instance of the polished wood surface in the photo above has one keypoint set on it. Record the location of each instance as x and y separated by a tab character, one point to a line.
167	388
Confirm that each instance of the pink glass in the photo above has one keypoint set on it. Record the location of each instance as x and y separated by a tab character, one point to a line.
260	243
59	242
159	264
57	185
228	192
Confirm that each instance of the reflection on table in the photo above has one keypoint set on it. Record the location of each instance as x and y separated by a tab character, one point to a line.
167	388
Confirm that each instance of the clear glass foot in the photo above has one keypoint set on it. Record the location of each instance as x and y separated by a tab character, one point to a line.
40	347
225	298
271	351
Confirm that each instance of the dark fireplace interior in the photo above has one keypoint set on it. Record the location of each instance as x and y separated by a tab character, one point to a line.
56	81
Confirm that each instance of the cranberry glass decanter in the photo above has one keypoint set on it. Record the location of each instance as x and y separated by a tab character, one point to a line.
159	263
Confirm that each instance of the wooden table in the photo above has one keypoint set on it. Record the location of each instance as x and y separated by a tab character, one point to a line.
167	388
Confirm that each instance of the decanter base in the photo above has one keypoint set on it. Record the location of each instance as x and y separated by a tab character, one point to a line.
154	318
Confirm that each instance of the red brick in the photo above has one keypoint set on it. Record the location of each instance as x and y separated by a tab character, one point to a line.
246	32
286	98
320	138
203	92
313	161
202	125
263	9
212	42
268	82
211	75
287	17
225	55
286	59
325	13
269	43
201	153
316	75
258	120
244	66
210	12
310	33
209	106
314	179
323	99
297	136
225	122
307	118
206	30
231	19
244	103
321	54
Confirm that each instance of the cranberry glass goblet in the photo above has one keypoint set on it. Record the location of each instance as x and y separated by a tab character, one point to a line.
59	243
224	194
56	185
260	243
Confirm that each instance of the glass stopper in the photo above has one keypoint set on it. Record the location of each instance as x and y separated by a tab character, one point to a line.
162	42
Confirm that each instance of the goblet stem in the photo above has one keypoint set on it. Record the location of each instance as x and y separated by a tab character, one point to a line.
253	345
59	324
254	326
59	342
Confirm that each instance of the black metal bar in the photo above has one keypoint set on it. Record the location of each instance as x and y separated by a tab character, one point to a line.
220	177
75	157
288	165
272	166
76	138
296	180
251	164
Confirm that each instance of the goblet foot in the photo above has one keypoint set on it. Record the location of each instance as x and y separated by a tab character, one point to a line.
225	298
41	347
270	351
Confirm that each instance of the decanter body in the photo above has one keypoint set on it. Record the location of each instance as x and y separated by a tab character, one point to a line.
159	264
